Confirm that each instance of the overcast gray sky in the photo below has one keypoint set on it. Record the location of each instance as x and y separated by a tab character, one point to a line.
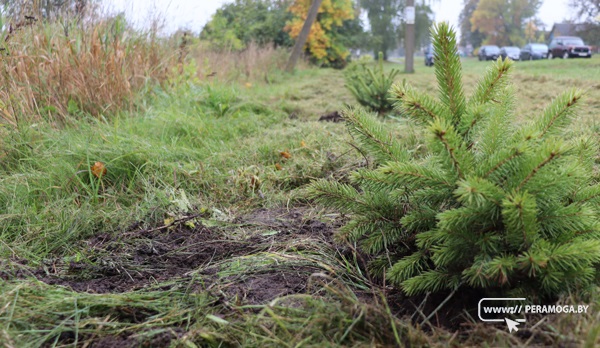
193	14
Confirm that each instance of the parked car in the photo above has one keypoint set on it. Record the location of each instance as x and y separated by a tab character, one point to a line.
429	55
490	52
568	47
534	51
511	52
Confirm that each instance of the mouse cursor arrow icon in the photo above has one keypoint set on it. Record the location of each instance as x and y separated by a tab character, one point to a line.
512	325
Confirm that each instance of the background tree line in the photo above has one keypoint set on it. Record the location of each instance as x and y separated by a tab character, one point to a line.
514	22
499	22
339	26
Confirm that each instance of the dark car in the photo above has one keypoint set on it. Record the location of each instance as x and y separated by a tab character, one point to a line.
488	52
534	51
429	55
568	47
511	52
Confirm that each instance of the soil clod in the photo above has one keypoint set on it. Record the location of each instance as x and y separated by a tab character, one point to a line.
334	116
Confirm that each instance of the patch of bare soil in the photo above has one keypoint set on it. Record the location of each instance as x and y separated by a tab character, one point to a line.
162	339
136	259
260	288
451	315
139	258
293	222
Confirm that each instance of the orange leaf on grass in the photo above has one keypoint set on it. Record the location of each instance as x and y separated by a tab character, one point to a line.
285	154
98	169
278	166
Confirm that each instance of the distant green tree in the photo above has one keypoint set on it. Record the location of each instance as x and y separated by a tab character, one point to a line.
235	25
386	24
423	23
467	34
352	34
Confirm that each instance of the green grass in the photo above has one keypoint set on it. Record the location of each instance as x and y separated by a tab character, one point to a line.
216	149
181	142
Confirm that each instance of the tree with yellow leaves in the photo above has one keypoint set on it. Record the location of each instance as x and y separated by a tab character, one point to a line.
502	22
324	44
530	31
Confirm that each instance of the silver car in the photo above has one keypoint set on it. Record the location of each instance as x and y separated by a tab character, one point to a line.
511	52
534	51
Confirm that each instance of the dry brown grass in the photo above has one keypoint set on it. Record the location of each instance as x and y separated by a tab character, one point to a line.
254	63
49	71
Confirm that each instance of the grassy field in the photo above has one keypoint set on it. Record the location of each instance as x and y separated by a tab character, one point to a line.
198	234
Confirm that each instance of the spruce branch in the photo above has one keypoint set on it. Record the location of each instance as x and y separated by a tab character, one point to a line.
478	192
369	133
375	181
417	105
384	238
340	196
408	267
589	194
519	214
564	222
507	156
476	275
559	113
576	254
445	135
492	83
420	219
448	69
501	269
488	125
354	230
433	280
414	175
549	155
471	117
534	260
464	220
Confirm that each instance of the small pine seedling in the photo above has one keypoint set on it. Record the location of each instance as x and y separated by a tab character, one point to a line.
370	86
508	209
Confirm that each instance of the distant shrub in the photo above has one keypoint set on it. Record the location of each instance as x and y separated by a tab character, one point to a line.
219	99
369	85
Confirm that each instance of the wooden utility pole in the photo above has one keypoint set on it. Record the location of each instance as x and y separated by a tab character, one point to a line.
301	39
409	36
